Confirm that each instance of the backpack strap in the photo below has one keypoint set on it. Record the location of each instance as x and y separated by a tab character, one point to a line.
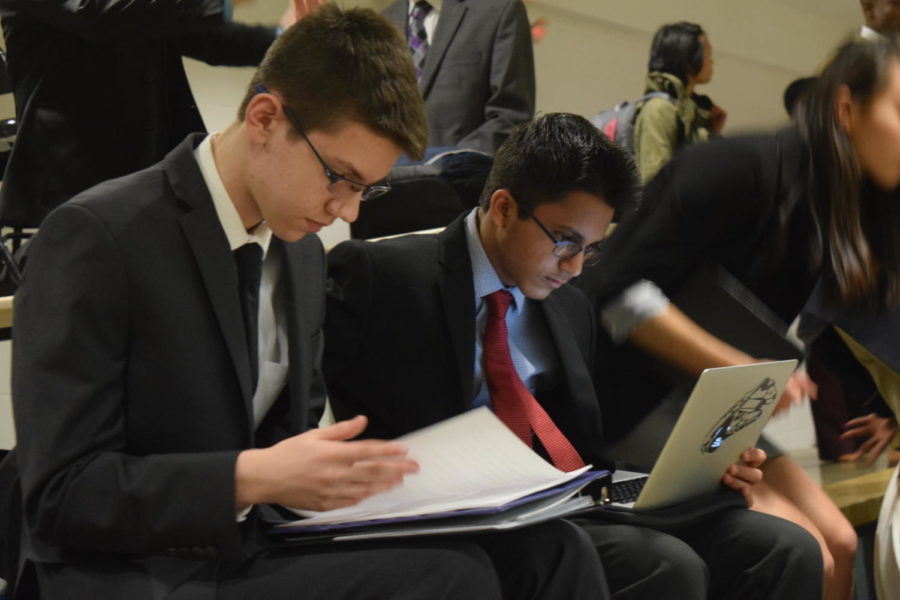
650	96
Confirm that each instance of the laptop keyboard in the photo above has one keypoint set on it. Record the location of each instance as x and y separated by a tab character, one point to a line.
624	492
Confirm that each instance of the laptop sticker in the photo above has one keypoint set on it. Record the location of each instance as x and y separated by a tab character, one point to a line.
744	412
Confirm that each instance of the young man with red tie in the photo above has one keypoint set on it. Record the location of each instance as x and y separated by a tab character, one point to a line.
424	327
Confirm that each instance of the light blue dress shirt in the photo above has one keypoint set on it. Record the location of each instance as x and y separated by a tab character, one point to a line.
530	344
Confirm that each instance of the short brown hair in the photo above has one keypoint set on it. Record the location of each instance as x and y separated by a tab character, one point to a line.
336	65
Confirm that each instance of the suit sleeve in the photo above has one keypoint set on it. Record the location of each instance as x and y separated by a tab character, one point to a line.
229	44
349	298
512	80
103	21
705	204
82	487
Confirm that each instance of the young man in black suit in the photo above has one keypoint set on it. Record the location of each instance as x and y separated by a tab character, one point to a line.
167	342
411	334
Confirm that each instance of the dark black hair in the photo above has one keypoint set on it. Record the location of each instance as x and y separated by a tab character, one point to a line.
794	91
545	159
677	50
857	241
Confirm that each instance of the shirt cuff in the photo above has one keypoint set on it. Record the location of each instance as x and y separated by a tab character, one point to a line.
642	301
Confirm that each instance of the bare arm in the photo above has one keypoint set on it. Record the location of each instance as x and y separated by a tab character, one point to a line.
677	340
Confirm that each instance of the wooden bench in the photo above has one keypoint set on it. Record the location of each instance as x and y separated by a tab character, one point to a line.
855	488
6	312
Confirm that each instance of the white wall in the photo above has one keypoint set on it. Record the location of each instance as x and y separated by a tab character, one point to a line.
595	52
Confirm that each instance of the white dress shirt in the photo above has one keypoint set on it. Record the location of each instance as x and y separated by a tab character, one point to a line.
867	33
273	341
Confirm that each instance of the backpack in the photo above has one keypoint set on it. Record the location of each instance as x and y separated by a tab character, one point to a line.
617	123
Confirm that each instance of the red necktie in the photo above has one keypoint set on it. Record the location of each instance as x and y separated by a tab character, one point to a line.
513	403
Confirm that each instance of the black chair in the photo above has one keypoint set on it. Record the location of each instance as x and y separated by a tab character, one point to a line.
10	521
419	199
425	196
11	242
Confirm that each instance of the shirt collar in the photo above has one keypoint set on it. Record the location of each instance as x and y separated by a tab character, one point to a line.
436	6
227	213
484	276
867	33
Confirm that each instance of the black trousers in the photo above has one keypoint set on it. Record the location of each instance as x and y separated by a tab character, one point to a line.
738	554
550	561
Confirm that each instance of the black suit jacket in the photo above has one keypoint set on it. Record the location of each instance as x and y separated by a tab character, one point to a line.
400	339
478	81
101	91
132	386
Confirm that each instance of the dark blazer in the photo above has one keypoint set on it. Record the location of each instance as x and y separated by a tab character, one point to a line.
720	202
101	91
479	72
132	383
400	339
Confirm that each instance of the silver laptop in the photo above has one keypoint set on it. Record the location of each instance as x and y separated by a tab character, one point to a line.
724	416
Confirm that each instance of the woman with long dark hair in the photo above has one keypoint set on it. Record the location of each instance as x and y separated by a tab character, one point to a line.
817	203
672	115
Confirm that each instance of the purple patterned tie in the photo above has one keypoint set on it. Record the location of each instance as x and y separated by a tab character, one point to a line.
417	36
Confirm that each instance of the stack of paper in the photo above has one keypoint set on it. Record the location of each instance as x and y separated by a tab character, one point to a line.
471	461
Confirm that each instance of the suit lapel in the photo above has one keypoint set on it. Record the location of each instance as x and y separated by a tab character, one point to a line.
300	354
578	377
457	294
204	234
452	14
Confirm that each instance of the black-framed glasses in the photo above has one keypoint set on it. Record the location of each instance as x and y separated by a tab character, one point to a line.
338	185
566	249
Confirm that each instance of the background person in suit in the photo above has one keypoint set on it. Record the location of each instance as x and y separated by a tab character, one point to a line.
409	343
100	89
164	392
476	67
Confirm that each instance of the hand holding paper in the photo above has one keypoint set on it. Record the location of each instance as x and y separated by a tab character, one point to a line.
321	469
469	461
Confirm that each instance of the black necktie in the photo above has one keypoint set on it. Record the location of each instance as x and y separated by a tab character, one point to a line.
249	268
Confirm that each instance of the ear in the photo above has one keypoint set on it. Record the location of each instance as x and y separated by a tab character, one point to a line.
844	108
503	208
260	117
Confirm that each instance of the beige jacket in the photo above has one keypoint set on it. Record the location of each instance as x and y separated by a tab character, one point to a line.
663	126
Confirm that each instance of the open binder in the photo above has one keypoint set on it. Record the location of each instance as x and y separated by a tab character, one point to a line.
559	501
475	475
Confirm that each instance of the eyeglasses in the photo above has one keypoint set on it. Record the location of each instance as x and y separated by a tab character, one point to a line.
567	249
340	186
